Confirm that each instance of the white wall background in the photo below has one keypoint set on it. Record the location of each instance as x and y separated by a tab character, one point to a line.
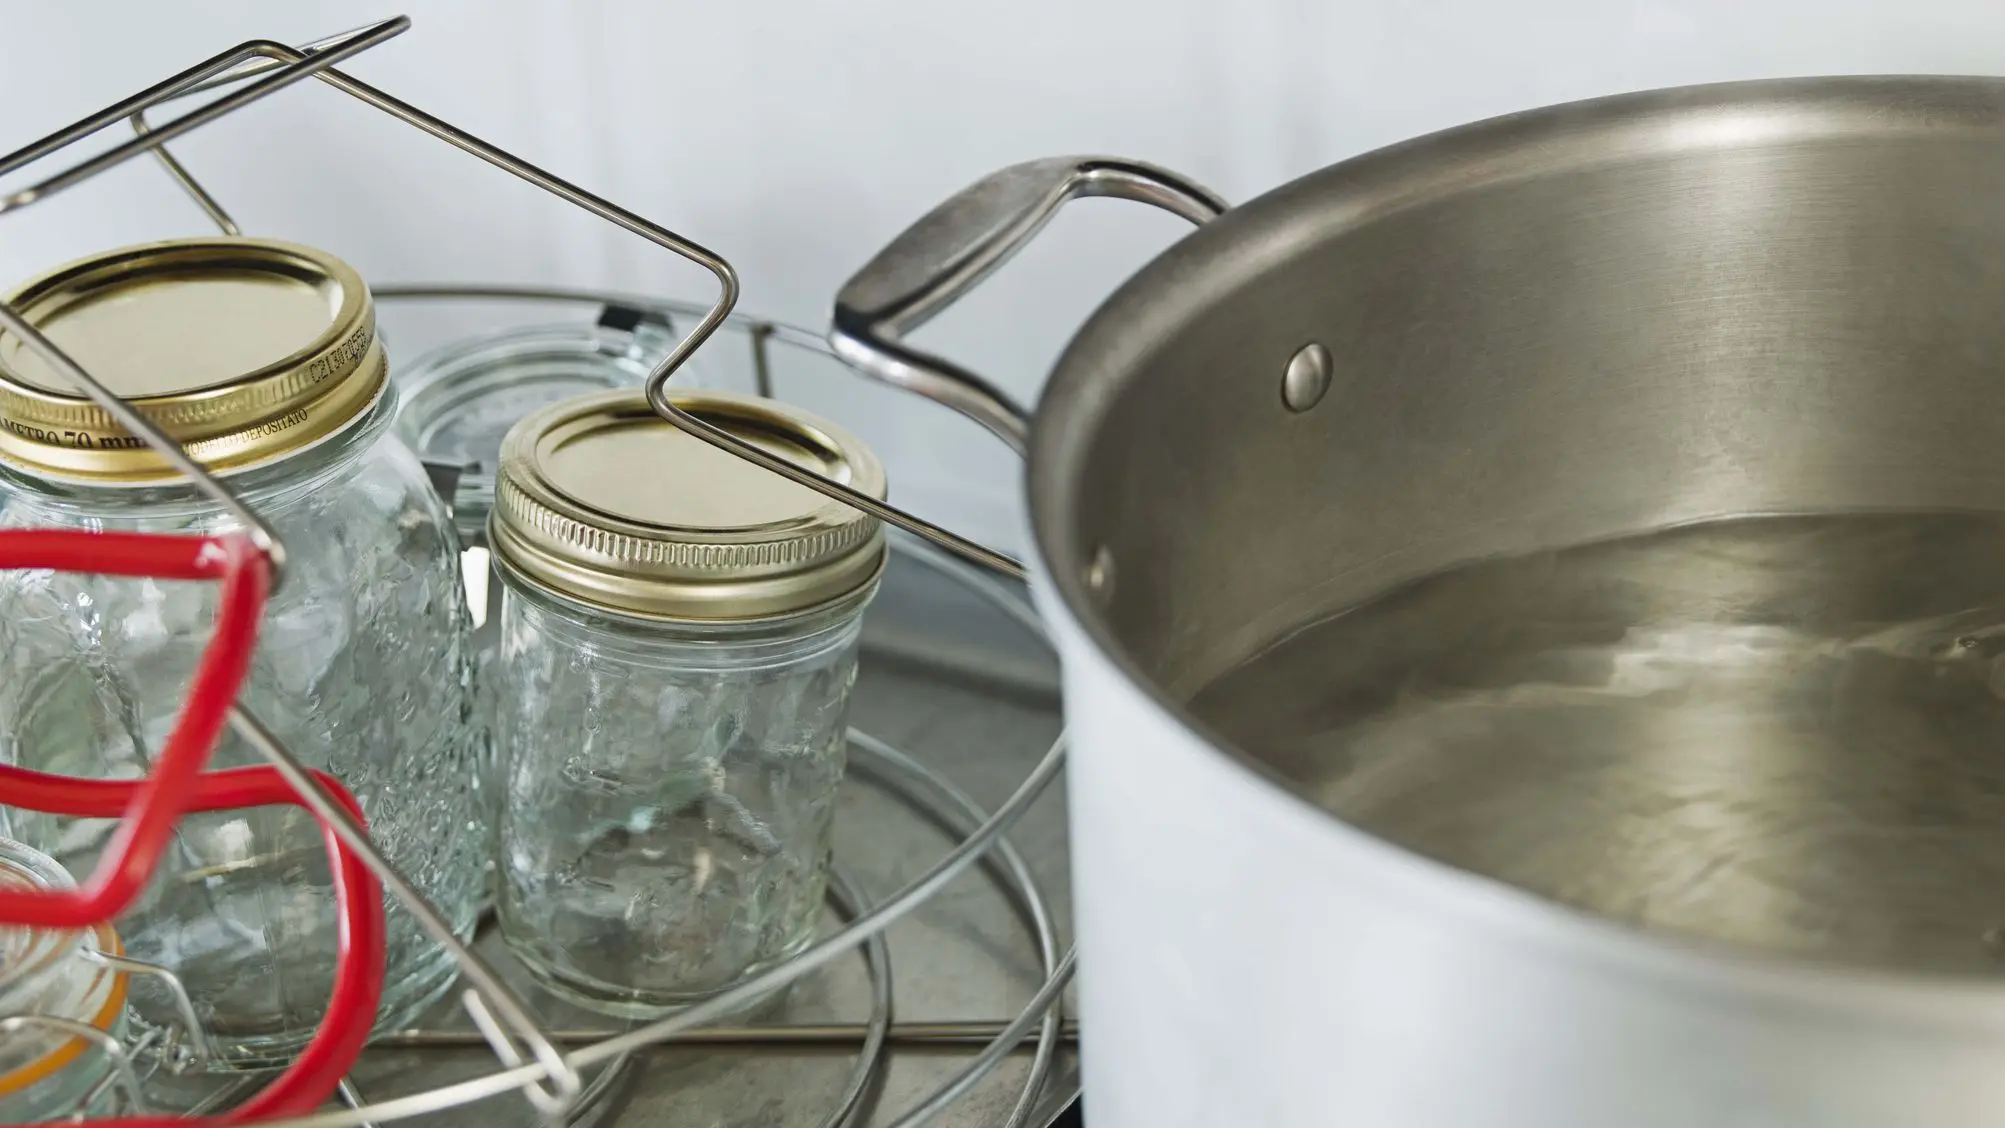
796	137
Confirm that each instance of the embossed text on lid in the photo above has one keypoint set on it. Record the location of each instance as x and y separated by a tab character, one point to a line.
242	349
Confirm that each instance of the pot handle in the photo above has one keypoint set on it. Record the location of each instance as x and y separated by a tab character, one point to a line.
923	271
956	245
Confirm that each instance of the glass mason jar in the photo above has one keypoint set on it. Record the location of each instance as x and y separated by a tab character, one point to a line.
45	1074
458	401
678	643
262	359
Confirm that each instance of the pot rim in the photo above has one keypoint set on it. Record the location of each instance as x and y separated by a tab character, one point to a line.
1125	333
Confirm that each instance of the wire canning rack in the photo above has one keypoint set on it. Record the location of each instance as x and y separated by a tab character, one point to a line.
531	1059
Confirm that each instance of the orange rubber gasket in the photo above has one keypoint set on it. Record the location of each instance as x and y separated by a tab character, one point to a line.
53	1062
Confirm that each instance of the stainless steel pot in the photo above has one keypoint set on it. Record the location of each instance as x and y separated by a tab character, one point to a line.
1765	888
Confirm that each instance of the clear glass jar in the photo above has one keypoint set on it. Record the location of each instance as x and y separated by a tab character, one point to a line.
672	693
362	658
46	1075
460	400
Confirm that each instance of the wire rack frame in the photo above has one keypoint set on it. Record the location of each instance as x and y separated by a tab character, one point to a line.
916	785
532	1061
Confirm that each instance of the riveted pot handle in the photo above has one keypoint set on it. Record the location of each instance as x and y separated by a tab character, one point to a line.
934	262
956	245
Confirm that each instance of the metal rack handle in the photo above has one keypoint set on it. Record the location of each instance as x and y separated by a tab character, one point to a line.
925	270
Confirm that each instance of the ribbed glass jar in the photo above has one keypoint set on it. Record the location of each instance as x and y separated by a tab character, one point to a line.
361	665
672	693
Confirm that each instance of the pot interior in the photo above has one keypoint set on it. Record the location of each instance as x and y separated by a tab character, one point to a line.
1648	549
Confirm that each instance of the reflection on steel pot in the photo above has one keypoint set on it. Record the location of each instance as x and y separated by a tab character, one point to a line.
1532	604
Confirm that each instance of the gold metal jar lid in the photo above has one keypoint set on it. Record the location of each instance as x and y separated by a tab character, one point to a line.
601	501
241	349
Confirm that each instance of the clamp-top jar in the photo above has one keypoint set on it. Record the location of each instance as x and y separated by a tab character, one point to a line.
54	989
262	359
678	642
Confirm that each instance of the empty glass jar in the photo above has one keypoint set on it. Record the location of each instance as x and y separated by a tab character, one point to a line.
49	976
262	359
678	642
460	400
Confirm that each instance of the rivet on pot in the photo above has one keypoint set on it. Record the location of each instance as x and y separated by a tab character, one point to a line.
1307	377
1100	572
